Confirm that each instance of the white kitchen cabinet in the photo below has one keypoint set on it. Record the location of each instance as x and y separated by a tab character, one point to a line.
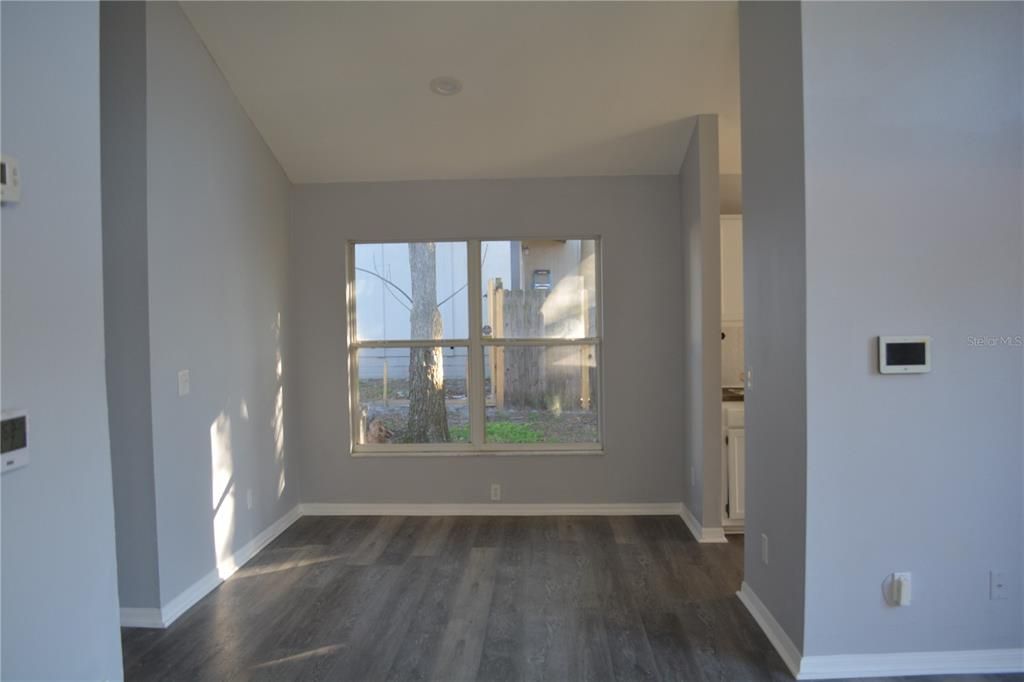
733	466
735	452
732	268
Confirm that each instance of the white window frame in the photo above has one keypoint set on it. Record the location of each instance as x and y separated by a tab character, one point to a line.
475	344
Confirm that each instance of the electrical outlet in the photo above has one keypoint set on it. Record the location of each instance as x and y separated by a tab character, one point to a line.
764	549
495	492
750	378
248	499
998	585
184	382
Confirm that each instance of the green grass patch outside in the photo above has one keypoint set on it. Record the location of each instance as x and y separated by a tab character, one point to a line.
501	432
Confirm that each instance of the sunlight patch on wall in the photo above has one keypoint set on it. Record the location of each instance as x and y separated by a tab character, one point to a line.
277	421
223	488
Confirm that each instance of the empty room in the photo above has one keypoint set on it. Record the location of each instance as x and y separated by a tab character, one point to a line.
510	341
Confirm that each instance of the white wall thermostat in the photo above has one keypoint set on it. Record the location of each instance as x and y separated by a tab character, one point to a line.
10	180
904	354
13	440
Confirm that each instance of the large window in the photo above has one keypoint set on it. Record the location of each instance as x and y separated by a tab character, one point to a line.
475	346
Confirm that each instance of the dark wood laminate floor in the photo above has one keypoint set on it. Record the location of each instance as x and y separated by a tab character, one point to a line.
470	598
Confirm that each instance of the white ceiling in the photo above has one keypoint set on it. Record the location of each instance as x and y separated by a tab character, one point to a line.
339	90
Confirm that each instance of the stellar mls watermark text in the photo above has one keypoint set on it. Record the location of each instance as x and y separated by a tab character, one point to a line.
990	341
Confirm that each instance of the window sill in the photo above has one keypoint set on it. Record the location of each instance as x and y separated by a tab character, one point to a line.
422	454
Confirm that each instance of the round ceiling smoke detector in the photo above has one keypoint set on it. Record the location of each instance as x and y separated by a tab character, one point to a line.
445	86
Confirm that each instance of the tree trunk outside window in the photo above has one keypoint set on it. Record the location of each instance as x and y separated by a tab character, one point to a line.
428	417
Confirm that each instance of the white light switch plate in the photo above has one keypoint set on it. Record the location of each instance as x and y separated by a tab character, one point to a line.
901	589
184	382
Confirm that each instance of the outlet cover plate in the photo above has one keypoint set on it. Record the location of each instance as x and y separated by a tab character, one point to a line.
998	585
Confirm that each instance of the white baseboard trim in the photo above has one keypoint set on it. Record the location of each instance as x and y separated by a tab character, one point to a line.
974	662
141	618
700	532
776	635
187	598
491	509
169	612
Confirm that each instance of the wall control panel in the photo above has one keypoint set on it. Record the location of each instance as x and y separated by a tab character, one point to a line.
10	180
13	440
904	354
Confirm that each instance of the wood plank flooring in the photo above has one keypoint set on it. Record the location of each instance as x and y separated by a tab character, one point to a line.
470	598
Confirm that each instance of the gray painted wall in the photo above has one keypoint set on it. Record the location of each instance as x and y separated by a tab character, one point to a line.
702	317
198	215
913	138
638	220
774	291
126	297
59	583
917	229
217	229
